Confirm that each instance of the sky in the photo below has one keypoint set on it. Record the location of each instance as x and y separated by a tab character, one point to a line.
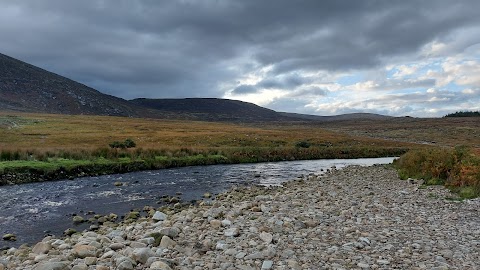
329	57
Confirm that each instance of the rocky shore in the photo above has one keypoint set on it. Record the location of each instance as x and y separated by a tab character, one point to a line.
355	218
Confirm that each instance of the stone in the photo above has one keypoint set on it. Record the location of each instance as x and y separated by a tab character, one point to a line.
83	251
133	215
159	265
141	255
40	258
125	265
207	195
266	237
41	248
240	255
232	232
159	216
363	265
215	223
91	260
69	232
171	232
221	246
117	233
226	223
9	237
80	267
255	256
78	219
51	266
267	265
167	242
116	246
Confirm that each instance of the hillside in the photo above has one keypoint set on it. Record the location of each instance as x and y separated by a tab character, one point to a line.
212	109
27	88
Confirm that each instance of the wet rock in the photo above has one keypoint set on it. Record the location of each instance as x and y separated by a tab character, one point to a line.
9	237
132	215
69	232
78	219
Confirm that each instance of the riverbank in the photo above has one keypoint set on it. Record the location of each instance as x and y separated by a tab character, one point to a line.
358	217
70	165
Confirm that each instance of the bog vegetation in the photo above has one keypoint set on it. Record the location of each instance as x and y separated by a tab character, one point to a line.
457	168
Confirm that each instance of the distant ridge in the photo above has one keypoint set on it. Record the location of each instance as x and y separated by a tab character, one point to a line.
341	117
212	109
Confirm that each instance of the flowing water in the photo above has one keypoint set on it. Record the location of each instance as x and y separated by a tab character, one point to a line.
32	210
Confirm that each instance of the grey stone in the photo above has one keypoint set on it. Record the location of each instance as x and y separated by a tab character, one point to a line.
267	265
159	216
141	255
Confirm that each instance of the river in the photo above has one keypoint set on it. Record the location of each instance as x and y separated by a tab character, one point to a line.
30	211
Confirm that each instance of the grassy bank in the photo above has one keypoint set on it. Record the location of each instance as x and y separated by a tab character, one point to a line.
457	168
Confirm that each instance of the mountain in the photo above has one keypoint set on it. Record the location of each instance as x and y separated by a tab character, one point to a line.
27	88
212	109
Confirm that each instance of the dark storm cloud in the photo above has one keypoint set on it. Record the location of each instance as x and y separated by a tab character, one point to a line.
191	48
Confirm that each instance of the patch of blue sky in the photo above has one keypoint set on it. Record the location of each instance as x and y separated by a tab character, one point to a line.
350	79
452	87
434	66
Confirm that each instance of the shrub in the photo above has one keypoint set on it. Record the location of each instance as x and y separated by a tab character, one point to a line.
303	144
128	143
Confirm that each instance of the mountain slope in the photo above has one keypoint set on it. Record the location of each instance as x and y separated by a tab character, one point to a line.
212	109
24	87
